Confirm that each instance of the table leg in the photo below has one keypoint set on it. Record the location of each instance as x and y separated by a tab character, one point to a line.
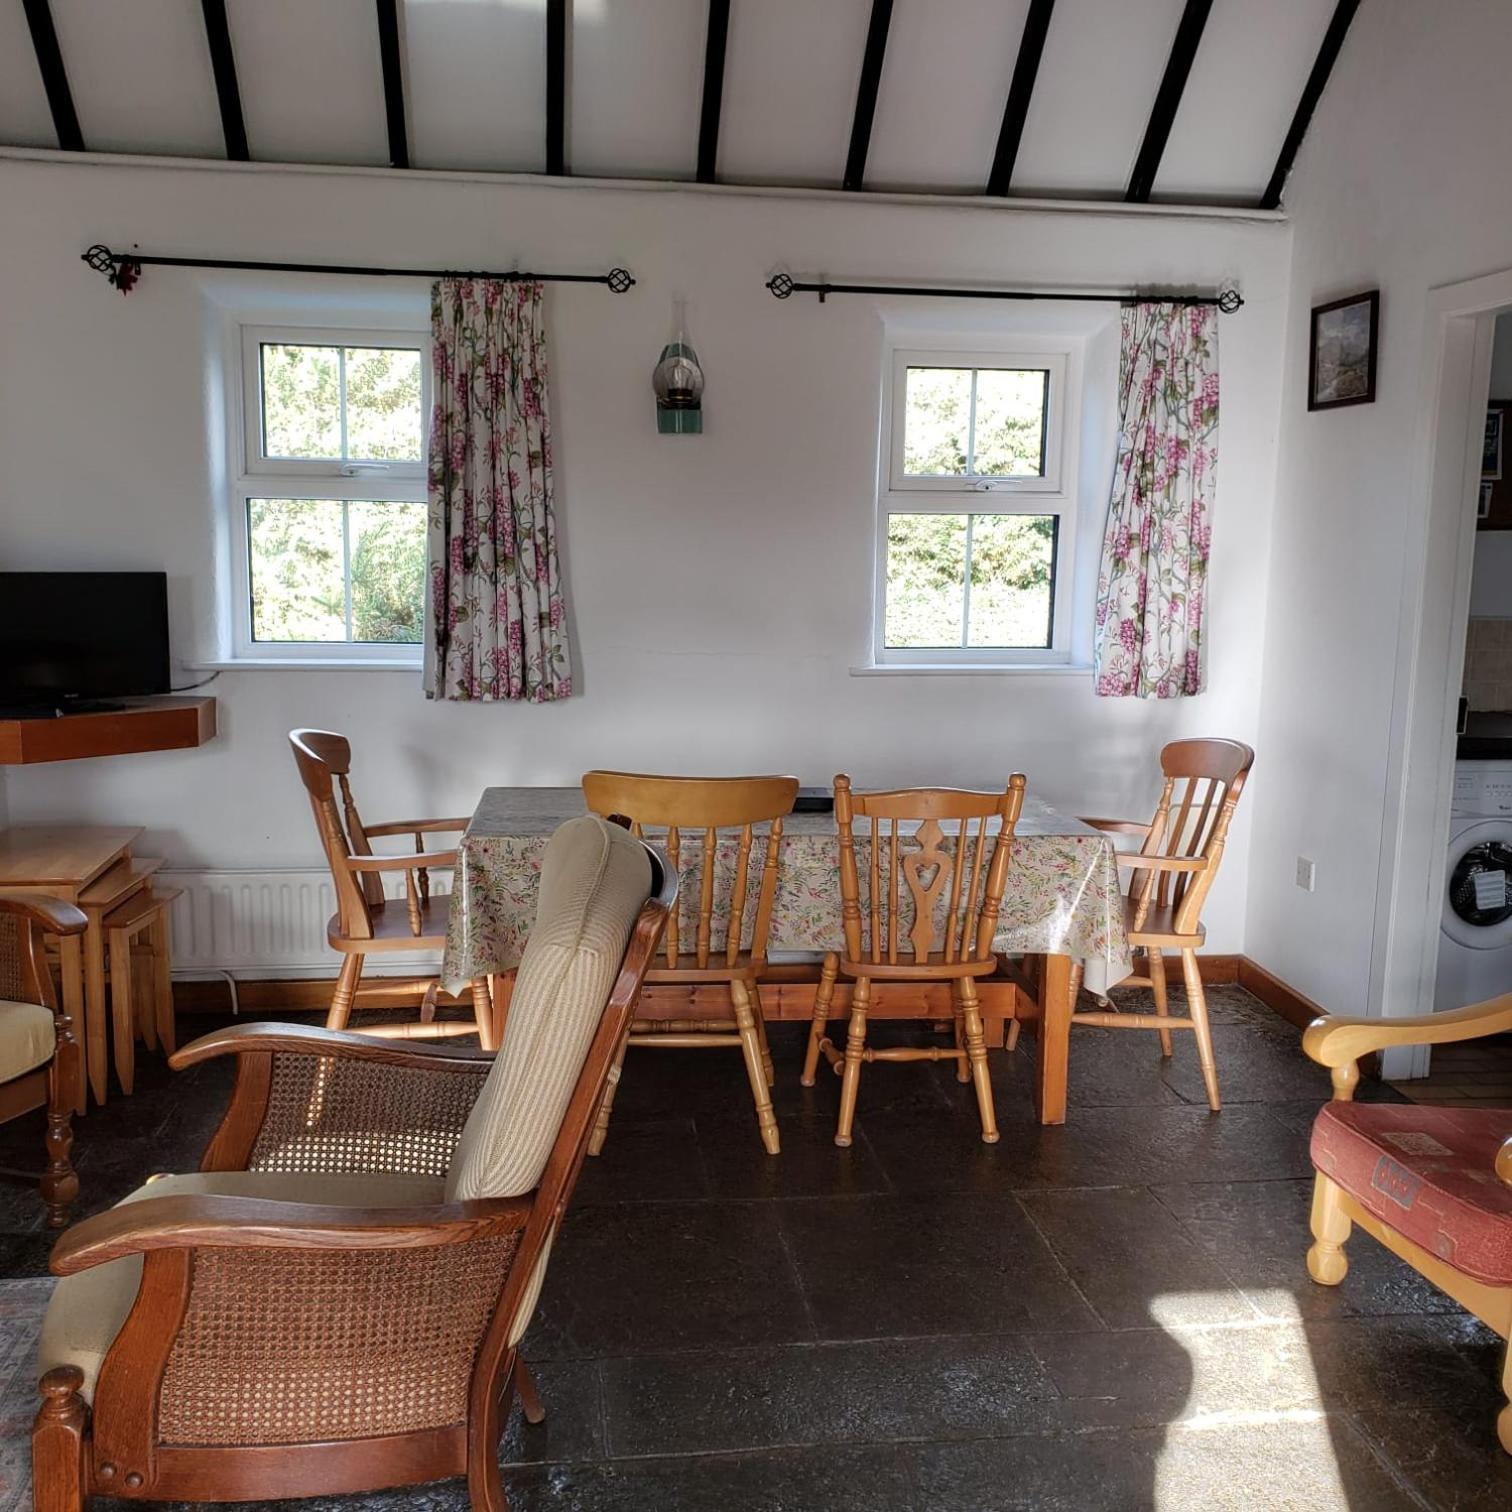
71	962
1054	1039
96	1036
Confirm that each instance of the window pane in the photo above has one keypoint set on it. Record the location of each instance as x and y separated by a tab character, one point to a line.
1010	423
301	387
383	404
1012	580
388	571
926	579
295	552
936	422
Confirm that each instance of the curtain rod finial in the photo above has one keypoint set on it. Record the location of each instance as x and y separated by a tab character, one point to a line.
121	271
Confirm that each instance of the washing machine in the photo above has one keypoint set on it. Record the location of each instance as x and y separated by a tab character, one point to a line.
1475	946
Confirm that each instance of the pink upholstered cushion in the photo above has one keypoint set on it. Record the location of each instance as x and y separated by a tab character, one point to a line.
1428	1173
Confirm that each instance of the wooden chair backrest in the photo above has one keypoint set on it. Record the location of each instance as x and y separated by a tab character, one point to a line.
324	760
975	875
674	804
24	975
1203	781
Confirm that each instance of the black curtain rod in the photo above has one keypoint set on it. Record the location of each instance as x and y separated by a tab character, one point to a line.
124	268
784	287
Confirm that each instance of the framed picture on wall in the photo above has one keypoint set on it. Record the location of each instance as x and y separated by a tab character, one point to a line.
1491	451
1483	509
1341	366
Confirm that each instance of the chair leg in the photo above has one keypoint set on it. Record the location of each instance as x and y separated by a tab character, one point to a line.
750	1047
346	991
759	1013
122	1009
1156	959
58	1443
963	1061
525	1388
483	1013
60	1182
1327	1263
1013	1035
823	995
1504	1417
855	1047
1197	1009
976	1054
601	1124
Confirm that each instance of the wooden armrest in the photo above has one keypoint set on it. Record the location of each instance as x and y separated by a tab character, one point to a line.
1142	862
426	859
1335	1041
1117	826
340	1044
200	1221
51	914
415	826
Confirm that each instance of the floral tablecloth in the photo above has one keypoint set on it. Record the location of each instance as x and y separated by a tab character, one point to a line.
1062	895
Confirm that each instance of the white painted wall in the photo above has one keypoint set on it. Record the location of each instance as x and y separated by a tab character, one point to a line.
720	587
1396	199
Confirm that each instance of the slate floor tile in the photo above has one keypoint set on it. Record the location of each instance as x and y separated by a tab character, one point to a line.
810	1165
645	1160
1258	1231
1254	1065
876	1391
882	1267
1132	1261
1449	1457
638	1278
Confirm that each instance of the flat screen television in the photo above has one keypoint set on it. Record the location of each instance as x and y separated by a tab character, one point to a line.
70	638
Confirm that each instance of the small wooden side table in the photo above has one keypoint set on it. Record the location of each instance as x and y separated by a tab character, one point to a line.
64	861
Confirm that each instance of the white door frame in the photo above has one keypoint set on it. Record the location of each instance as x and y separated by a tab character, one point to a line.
1454	382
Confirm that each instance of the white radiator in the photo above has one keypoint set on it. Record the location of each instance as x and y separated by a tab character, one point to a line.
257	924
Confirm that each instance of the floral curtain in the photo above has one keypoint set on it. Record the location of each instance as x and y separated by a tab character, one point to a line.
1152	584
496	627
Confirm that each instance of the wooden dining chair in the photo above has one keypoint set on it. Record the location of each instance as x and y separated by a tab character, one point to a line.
366	922
729	940
1171	875
955	884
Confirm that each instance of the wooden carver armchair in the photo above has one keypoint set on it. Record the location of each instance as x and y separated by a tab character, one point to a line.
366	922
1434	1185
333	1303
39	1056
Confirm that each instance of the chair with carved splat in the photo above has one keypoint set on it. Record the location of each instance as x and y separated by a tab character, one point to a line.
955	877
670	806
1173	871
365	921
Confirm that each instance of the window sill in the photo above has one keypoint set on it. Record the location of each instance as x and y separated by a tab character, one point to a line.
303	664
982	669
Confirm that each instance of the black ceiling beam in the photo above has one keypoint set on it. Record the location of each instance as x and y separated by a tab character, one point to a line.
1168	99
393	82
556	87
1312	92
1016	112
713	89
54	79
227	91
866	93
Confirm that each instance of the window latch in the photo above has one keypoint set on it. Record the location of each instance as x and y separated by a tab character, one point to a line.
357	469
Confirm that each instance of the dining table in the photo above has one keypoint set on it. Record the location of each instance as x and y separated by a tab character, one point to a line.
1062	908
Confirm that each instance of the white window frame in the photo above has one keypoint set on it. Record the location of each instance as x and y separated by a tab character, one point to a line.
1051	493
255	476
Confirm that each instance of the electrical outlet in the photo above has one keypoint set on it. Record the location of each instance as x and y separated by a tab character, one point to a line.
1307	874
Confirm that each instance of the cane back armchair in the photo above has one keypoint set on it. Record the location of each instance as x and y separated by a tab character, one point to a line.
953	866
669	806
333	1303
1173	871
366	922
39	1056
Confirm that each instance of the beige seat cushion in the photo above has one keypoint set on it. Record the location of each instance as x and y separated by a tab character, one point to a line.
87	1309
26	1038
595	877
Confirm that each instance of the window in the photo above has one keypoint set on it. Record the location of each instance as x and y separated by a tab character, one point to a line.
974	514
329	517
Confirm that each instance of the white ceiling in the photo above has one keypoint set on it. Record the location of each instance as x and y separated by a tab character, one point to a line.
475	88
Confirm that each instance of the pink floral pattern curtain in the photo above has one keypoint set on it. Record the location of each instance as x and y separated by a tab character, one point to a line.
1152	584
496	627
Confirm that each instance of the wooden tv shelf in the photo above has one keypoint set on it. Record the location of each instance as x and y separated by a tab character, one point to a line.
145	724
